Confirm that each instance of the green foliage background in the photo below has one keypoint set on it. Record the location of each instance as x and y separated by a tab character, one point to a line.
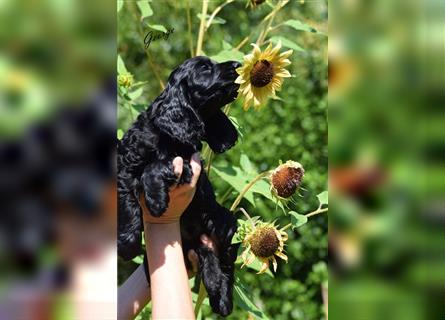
291	128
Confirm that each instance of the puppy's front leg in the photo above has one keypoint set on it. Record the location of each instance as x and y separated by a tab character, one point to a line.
156	181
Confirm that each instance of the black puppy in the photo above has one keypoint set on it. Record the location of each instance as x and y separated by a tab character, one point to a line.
187	112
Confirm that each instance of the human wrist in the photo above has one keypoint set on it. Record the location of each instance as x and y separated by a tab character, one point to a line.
167	233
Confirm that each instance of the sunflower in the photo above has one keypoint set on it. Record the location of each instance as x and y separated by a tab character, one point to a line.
262	74
286	179
264	241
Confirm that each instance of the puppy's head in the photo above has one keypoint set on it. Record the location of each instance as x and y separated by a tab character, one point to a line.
189	109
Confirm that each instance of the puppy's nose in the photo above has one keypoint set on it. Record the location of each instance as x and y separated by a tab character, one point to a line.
236	64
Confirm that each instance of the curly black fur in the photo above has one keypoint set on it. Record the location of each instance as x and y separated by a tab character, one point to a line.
187	112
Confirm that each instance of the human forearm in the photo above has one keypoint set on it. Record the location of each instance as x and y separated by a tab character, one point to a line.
133	295
168	275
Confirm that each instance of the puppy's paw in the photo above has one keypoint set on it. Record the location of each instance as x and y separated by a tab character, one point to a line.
187	173
156	207
225	307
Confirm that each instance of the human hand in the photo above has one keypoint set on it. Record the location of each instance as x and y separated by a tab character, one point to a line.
180	195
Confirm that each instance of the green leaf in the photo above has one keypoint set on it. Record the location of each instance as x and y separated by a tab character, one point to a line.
239	178
120	4
300	26
323	198
157	27
246	165
228	54
241	298
121	69
138	107
216	20
138	259
135	94
297	220
120	133
226	45
145	9
237	126
236	178
286	43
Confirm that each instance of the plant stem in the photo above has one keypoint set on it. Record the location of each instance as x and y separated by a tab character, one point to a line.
141	33
226	194
248	217
215	12
314	213
270	17
245	213
273	12
243	42
308	215
246	188
209	162
205	6
189	28
152	66
130	109
201	296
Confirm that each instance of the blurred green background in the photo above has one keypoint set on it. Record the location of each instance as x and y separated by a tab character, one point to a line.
293	127
386	138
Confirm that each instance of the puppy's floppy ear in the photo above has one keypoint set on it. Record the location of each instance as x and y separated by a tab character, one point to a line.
175	116
220	133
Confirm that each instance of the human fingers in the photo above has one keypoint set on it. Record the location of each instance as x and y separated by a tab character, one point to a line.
178	164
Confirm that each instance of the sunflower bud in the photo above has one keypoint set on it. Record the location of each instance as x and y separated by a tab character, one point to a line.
286	179
125	80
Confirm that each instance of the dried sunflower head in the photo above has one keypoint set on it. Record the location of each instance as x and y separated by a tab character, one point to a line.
262	74
286	179
264	242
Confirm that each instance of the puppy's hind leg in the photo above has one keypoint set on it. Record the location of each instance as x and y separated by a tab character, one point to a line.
156	181
214	281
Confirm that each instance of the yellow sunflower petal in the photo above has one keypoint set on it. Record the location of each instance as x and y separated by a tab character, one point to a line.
250	259
286	54
284	235
283	73
268	49
240	80
277	48
274	263
264	266
281	255
256	51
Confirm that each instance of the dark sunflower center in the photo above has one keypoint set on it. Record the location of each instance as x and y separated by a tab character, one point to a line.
262	73
264	242
286	181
